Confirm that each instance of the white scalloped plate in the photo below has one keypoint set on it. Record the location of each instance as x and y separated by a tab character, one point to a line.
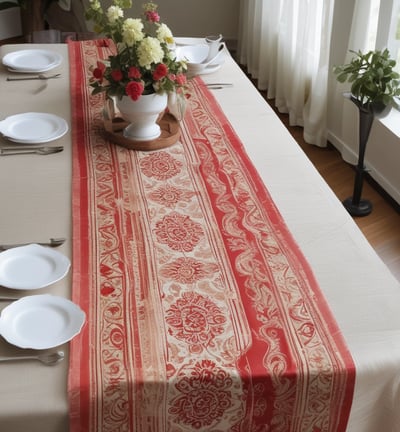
32	60
32	267
41	321
33	128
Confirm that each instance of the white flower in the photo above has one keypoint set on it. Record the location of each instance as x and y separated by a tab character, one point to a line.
113	13
164	34
95	5
132	31
150	51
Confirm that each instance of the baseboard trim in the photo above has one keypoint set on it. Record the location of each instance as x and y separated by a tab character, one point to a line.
373	176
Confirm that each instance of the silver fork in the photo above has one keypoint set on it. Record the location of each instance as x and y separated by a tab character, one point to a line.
49	359
9	151
54	242
37	77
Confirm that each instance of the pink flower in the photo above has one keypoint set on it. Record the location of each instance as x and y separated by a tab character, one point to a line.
116	75
160	71
134	89
152	16
134	73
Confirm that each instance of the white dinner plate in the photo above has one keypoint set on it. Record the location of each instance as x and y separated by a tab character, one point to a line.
41	321
32	127
32	60
32	267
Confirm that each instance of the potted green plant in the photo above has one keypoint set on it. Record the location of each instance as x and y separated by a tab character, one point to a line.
374	82
375	86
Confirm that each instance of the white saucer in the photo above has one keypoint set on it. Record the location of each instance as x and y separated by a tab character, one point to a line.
32	267
41	321
179	41
210	69
32	60
32	128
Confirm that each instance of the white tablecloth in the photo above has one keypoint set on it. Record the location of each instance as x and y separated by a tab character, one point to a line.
362	293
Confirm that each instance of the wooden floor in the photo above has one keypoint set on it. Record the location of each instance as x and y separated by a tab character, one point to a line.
382	226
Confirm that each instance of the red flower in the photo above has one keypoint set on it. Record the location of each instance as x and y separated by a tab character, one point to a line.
152	16
116	75
98	72
160	71
134	89
134	73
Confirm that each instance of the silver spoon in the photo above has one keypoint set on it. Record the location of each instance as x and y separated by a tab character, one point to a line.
37	77
10	151
54	242
49	359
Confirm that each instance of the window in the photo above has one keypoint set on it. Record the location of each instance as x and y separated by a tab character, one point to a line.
388	28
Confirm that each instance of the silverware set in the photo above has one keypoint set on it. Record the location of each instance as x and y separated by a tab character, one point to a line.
45	150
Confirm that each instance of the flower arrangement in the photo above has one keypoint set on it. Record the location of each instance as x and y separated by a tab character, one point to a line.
145	60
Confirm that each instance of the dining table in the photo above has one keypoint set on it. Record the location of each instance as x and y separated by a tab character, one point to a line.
223	284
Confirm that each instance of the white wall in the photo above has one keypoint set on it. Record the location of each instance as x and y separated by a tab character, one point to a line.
383	149
196	18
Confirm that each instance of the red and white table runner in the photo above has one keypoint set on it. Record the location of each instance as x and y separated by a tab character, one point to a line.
202	313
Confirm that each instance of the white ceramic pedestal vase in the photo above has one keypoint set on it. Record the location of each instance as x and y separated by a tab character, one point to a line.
142	115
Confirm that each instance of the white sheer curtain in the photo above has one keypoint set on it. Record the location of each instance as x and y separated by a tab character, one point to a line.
285	46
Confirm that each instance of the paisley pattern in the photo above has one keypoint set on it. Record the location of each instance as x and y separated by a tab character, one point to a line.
202	313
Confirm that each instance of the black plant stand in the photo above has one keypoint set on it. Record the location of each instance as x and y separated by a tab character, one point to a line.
355	205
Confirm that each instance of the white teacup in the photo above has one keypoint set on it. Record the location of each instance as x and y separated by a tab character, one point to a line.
214	45
197	56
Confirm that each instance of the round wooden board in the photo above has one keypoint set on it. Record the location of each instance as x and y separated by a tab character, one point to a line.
170	133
